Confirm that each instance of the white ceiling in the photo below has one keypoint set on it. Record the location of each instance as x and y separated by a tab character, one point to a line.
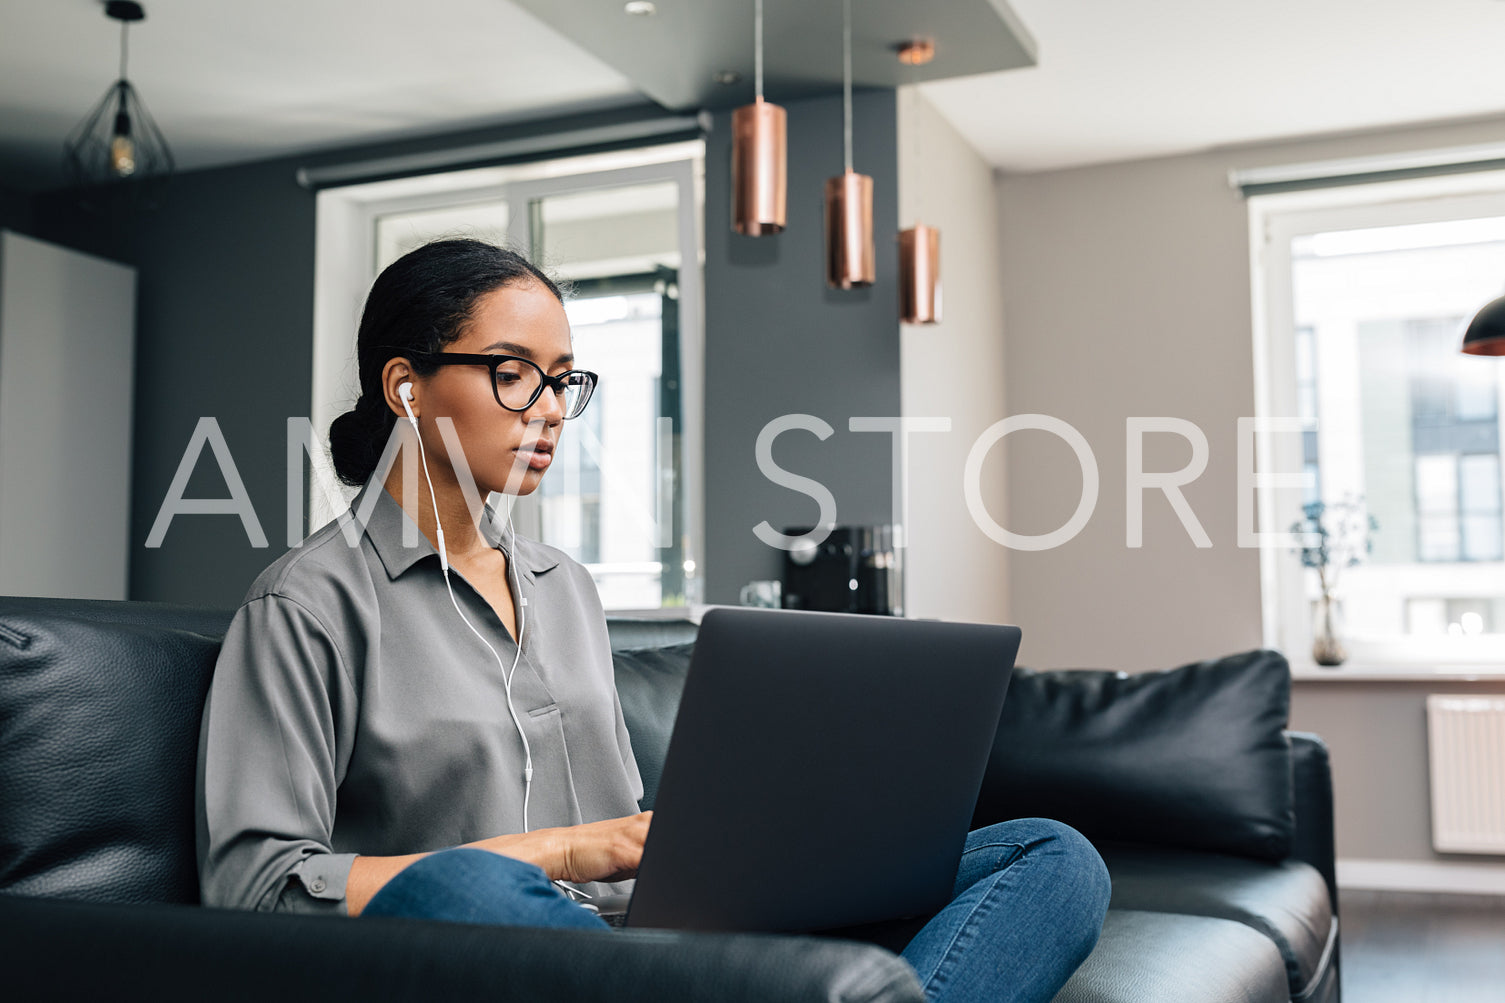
229	81
1117	80
1126	79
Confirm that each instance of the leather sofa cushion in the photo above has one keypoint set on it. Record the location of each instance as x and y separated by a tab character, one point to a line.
100	745
1194	757
650	682
1149	957
1286	902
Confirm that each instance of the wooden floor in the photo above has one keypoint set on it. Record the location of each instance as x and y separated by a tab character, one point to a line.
1418	948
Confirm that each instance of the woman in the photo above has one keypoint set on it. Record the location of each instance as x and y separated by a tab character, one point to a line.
371	706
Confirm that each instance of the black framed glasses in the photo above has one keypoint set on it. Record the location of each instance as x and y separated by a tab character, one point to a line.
517	383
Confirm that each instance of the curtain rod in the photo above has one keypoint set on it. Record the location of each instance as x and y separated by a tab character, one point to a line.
523	147
1367	170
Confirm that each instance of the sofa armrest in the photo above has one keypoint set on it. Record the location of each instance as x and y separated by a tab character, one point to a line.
56	949
1312	777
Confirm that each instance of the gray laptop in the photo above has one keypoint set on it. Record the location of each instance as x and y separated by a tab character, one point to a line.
822	772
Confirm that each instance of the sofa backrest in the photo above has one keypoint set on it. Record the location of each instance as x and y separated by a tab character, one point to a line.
632	632
100	706
649	684
211	621
99	728
1194	757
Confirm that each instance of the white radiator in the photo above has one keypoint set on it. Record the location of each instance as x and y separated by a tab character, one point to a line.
1466	739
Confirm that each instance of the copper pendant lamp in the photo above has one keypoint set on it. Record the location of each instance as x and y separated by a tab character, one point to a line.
1486	332
850	258
759	163
920	245
920	275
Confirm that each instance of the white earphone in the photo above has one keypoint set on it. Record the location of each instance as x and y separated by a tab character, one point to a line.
405	394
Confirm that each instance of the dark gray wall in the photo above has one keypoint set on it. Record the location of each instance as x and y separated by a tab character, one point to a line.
223	329
225	318
778	341
15	210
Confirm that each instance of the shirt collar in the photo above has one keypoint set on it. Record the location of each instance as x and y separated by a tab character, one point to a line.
387	524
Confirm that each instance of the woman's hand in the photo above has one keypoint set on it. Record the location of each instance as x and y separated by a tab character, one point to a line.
597	851
609	850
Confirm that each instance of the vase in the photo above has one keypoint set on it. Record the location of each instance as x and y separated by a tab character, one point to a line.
1327	644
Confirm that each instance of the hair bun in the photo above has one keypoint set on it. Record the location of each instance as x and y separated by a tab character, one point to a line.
356	441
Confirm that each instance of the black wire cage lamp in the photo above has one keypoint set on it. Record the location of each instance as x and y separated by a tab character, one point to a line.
118	140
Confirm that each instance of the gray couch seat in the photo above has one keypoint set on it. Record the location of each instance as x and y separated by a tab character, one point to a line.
1286	901
1151	957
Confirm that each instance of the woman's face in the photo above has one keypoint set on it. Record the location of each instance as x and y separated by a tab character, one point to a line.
507	451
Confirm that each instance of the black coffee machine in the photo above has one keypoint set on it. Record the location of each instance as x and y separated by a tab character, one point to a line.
853	570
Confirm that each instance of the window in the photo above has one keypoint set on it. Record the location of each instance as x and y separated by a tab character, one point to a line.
1306	409
623	494
1455	439
1365	294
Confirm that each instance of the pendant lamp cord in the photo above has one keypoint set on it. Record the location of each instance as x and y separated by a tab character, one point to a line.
758	48
125	26
846	80
917	151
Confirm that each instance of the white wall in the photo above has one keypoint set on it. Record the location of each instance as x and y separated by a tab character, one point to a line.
1127	293
954	369
67	345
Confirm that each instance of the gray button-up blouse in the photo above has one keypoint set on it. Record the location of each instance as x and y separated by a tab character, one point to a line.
353	712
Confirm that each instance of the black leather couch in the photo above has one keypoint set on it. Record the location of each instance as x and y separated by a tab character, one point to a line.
1216	825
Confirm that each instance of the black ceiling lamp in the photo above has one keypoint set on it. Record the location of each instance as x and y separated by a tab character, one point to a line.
118	140
1486	332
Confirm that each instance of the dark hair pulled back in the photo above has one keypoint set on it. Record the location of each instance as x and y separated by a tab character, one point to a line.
419	303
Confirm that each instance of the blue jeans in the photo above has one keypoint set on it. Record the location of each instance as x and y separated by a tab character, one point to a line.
1027	908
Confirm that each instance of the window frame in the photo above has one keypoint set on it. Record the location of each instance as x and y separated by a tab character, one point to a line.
345	260
1274	221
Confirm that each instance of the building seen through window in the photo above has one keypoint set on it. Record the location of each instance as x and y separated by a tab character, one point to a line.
1405	421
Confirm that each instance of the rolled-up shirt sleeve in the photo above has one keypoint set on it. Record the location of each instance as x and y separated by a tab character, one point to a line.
275	741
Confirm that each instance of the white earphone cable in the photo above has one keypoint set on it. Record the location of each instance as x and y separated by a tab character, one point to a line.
444	566
522	616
